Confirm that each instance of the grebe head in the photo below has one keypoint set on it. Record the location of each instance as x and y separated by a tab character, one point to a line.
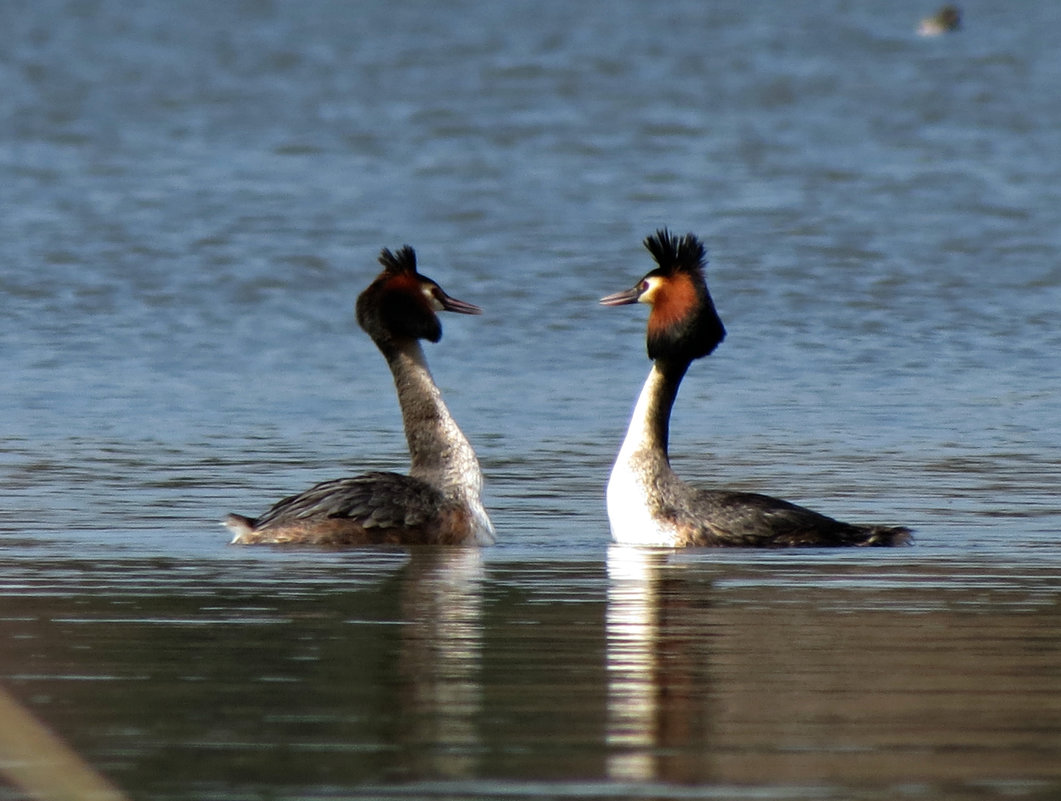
683	324
401	304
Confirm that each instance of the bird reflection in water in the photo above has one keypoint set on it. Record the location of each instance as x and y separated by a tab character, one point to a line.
658	688
439	660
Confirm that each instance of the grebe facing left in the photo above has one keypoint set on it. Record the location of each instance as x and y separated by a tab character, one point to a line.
647	503
439	501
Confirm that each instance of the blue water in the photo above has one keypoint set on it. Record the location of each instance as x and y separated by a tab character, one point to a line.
194	194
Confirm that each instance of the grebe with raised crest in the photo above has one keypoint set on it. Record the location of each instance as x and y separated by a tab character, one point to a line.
647	503
439	501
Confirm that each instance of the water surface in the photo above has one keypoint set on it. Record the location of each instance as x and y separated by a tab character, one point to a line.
194	195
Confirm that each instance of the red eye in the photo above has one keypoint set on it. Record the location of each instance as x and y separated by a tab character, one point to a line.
644	286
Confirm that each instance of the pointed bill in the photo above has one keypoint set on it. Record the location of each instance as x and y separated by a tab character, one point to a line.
624	298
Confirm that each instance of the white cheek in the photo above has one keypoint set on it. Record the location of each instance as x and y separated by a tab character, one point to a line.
649	295
432	301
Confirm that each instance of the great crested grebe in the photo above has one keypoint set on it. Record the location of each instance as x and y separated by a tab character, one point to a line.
647	503
439	501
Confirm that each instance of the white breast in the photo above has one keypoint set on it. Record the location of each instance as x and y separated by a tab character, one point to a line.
629	512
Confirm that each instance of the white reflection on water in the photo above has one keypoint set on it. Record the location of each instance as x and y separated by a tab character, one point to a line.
632	632
824	668
440	659
661	724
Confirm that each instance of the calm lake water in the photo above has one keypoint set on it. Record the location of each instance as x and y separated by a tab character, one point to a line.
194	194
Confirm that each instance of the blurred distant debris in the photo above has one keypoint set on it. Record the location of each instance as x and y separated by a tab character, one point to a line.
947	20
35	759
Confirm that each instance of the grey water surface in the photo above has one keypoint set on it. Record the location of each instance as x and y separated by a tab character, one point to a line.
192	196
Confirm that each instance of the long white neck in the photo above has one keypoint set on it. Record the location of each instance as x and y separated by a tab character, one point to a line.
441	454
642	466
650	423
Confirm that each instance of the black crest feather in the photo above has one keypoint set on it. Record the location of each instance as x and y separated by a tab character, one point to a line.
404	261
695	336
390	309
674	254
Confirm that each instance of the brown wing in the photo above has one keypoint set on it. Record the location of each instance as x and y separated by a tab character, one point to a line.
375	507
